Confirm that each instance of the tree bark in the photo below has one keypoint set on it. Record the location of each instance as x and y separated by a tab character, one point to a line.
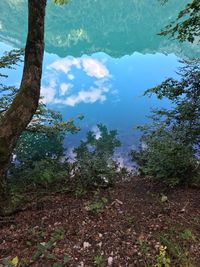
26	101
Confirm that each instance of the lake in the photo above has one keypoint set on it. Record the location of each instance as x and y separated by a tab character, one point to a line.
100	57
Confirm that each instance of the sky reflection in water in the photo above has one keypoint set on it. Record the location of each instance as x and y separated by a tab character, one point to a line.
104	89
107	86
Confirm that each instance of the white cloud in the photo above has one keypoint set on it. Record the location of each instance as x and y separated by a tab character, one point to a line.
94	68
65	87
48	93
90	96
65	65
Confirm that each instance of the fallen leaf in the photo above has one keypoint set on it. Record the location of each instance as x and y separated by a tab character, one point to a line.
15	261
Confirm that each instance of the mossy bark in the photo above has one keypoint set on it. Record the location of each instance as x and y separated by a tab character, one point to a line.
26	101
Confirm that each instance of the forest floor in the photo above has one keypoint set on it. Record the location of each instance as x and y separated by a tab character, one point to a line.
121	226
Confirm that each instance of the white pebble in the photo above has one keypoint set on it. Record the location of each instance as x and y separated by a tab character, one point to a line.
110	261
86	245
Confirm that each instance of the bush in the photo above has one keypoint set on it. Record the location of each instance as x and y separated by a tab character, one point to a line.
36	146
45	173
171	143
166	158
94	165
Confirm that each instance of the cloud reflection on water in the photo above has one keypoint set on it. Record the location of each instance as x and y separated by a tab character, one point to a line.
93	68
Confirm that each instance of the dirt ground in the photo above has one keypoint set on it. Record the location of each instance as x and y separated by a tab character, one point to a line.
126	225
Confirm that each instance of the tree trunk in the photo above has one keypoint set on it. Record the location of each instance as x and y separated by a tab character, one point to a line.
26	101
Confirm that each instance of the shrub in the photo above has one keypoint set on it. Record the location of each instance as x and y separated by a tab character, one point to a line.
97	205
171	143
94	165
45	172
166	158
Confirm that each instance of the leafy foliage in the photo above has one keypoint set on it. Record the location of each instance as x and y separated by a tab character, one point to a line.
39	149
7	93
165	157
188	235
177	243
94	165
187	24
42	173
10	59
185	97
97	205
98	260
57	236
162	260
171	144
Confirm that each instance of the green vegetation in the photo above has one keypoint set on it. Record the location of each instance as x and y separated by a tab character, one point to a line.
98	260
8	61
162	260
94	166
188	235
97	205
176	245
171	143
44	250
187	25
48	168
46	246
39	152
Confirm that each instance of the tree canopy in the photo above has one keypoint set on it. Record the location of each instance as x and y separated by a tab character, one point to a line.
171	144
187	25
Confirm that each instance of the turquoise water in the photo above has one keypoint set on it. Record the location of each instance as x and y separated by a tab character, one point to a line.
100	57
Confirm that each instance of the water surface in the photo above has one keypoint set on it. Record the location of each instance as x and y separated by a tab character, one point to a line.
100	57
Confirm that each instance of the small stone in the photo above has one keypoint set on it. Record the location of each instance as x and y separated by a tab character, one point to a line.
86	245
57	223
110	261
164	198
100	244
